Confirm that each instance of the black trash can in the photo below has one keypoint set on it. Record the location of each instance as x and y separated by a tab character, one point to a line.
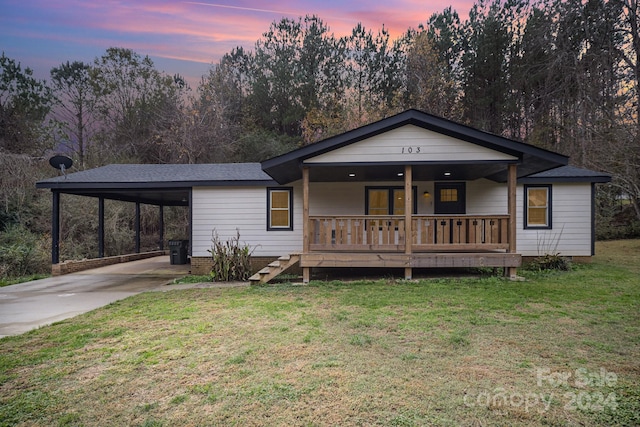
178	251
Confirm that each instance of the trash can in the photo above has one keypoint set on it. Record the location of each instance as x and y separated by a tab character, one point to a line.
178	251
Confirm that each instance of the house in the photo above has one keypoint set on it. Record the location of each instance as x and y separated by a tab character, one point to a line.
409	191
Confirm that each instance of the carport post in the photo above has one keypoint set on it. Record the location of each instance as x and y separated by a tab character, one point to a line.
137	227
101	227
55	228
161	226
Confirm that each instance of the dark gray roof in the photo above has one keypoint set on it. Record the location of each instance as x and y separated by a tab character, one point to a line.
201	174
168	185
566	174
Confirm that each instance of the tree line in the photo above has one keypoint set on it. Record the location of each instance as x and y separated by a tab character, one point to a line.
562	75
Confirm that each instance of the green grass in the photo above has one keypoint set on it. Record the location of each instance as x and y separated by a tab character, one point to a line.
481	351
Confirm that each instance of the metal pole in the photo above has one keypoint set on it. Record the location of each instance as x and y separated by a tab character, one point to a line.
137	227
161	226
101	227
55	228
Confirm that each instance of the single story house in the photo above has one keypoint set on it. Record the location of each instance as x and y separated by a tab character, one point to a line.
409	191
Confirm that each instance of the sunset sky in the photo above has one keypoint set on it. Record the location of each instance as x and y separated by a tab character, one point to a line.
183	37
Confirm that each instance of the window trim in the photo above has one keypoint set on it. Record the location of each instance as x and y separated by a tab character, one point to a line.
390	188
525	218
269	191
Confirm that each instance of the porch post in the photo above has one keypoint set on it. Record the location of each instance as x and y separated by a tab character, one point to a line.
512	179
101	227
55	228
161	226
306	271
408	211
137	227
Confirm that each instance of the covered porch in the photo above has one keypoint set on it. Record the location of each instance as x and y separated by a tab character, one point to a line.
409	239
471	176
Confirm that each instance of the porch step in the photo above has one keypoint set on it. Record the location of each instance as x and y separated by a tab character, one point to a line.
274	268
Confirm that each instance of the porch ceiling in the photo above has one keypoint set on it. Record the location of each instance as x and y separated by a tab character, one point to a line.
390	172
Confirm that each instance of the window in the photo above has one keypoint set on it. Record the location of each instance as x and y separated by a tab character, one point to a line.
450	198
537	211
449	194
280	208
387	200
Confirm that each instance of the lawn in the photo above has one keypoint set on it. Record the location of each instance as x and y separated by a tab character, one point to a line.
556	349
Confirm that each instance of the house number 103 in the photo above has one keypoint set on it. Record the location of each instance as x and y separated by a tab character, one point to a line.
410	150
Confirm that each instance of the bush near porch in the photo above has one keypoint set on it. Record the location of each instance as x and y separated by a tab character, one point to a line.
558	349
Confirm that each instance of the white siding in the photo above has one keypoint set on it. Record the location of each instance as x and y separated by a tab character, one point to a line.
425	145
226	209
244	208
571	222
486	197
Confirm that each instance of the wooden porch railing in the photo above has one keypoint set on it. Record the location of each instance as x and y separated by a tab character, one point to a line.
386	233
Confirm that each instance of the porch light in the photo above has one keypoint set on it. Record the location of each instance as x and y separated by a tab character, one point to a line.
352	175
426	194
400	173
447	174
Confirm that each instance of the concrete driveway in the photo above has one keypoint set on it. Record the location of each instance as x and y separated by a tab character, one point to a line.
33	304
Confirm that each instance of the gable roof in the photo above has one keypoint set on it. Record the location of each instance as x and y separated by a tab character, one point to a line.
288	167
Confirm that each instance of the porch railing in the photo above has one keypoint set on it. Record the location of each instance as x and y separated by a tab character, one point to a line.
387	233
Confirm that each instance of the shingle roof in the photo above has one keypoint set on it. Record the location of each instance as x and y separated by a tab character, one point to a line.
567	174
168	185
200	174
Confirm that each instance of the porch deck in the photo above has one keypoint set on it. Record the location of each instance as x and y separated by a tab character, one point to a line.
437	241
416	260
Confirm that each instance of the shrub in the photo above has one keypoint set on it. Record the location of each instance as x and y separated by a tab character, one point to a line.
550	262
231	260
22	253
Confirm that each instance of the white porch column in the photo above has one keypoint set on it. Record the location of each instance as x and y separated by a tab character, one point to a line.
306	271
408	211
512	179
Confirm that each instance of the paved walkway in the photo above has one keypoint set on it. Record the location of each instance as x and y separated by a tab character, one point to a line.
33	304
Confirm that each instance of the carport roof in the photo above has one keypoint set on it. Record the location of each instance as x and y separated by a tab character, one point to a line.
158	184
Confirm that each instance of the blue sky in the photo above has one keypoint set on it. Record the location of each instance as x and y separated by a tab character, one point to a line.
183	37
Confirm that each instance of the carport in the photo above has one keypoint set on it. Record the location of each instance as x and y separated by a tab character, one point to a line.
158	185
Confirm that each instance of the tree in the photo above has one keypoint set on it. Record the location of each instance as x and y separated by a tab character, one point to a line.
430	85
25	103
277	77
72	85
209	131
135	103
487	39
360	68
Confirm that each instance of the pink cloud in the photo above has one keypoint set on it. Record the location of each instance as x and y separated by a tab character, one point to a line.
193	30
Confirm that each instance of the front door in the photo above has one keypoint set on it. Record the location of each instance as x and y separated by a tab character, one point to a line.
450	198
